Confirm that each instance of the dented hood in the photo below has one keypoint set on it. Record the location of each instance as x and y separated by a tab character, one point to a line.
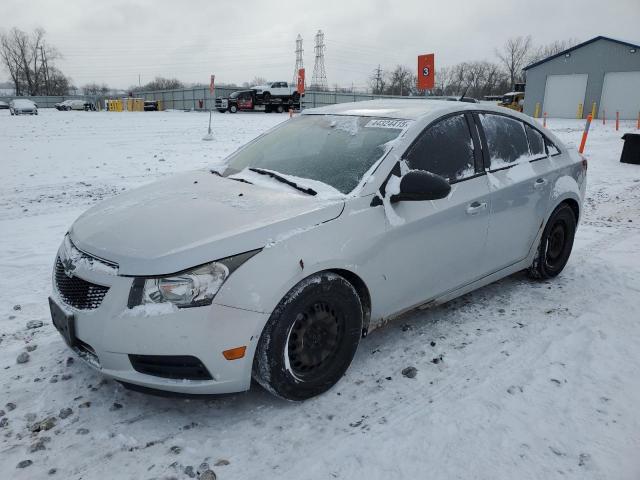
191	219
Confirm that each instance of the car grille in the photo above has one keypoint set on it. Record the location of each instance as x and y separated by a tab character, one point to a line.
77	292
178	367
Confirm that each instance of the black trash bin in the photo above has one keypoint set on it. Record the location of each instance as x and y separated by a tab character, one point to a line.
631	149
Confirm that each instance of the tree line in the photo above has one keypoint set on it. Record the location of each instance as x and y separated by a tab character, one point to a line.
474	79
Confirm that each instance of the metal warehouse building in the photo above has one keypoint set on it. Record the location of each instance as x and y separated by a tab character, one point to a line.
603	70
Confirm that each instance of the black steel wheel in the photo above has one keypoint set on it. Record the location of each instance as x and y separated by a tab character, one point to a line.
310	338
279	109
555	244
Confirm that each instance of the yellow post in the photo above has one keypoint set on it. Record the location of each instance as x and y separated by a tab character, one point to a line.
593	110
536	112
580	111
160	105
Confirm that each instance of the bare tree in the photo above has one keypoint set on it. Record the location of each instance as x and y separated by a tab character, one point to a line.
514	55
30	62
401	81
550	49
160	83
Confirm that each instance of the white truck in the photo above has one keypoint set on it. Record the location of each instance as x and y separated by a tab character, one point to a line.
283	90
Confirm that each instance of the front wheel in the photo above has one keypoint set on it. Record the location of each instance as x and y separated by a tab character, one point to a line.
233	108
266	96
310	338
555	244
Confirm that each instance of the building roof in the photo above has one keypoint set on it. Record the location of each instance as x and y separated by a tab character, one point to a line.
580	45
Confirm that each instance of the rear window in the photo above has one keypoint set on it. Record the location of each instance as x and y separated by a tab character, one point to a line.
506	140
536	142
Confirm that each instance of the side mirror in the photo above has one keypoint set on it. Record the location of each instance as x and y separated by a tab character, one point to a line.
418	185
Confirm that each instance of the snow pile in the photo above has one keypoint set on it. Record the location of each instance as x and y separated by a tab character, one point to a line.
518	380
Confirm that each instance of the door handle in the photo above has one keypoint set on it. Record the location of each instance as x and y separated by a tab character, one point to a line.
541	182
476	207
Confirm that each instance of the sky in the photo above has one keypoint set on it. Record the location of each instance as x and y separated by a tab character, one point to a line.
124	42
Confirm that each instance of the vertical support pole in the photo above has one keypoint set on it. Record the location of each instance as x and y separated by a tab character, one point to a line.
580	111
585	133
604	117
544	119
617	121
593	110
536	112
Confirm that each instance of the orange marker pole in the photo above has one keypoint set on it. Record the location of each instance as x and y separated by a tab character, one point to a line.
544	119
604	117
638	125
585	133
290	112
617	121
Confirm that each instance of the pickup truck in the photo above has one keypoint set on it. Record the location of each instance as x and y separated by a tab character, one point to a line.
282	90
248	100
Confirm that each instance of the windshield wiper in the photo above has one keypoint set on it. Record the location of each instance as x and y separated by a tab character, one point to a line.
280	178
215	172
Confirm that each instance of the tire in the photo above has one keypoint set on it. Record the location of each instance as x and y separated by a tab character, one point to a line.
295	97
233	108
266	96
310	338
279	109
555	244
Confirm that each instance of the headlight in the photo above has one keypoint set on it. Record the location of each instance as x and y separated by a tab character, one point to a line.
191	288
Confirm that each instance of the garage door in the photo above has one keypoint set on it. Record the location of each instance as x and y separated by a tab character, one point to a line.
563	93
621	93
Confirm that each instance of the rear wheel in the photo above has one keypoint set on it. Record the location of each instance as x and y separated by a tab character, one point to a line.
279	109
555	244
295	97
310	338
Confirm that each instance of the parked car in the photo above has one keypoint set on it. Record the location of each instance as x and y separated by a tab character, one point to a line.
316	232
22	106
4	106
75	104
282	90
150	106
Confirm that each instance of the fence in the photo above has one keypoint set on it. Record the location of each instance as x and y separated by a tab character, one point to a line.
44	101
199	98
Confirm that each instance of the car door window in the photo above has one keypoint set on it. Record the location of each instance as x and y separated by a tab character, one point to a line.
536	142
446	149
506	140
551	148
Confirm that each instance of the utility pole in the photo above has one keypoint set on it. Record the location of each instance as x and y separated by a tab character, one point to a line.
319	79
299	60
378	79
45	70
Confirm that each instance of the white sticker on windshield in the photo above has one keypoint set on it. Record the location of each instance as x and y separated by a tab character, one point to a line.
387	123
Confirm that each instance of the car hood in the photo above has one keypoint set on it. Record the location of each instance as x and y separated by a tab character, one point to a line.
191	219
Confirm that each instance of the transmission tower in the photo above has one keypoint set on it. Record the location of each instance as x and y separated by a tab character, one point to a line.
319	79
299	60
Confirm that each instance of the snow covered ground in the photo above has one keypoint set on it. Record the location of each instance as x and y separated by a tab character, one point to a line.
518	380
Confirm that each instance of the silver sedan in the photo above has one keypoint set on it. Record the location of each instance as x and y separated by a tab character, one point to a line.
315	233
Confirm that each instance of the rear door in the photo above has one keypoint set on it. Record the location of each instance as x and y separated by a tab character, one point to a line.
432	247
520	186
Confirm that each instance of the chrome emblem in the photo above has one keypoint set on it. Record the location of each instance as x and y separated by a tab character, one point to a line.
68	266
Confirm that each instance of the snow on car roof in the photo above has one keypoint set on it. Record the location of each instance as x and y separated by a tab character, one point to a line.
410	109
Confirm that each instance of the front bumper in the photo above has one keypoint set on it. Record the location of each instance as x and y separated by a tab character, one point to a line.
110	336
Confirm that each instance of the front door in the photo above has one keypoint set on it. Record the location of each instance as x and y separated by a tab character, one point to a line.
434	247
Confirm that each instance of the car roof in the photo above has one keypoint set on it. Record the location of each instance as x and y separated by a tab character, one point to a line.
409	109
